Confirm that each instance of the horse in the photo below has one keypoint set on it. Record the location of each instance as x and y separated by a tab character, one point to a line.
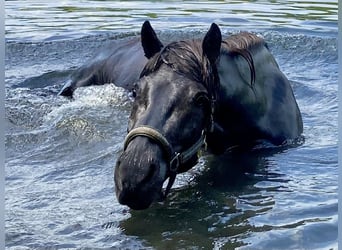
109	66
200	94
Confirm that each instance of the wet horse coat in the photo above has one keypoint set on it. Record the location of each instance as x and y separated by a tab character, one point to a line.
120	62
194	92
255	93
212	91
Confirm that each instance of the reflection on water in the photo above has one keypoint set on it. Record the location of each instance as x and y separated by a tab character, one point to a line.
215	208
54	18
237	200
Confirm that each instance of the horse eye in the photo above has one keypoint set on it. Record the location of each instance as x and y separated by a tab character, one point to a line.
134	93
201	100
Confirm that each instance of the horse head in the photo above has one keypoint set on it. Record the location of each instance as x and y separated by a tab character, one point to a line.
171	113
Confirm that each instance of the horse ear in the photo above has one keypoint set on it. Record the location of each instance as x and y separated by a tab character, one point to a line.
149	40
212	43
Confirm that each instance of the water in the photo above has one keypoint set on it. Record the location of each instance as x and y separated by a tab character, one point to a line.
60	154
69	19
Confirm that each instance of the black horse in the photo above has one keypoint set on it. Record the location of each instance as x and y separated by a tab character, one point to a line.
121	62
212	92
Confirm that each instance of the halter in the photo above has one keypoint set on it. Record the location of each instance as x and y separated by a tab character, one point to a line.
175	158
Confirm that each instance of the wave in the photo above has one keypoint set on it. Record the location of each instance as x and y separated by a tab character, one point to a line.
60	156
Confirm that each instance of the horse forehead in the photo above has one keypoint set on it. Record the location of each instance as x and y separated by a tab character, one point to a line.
179	89
172	82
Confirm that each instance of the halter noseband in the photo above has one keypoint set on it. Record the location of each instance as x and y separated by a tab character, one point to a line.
175	158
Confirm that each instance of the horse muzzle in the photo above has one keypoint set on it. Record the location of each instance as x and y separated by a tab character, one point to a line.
138	200
140	173
149	160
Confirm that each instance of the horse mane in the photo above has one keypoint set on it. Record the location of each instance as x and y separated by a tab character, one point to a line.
242	44
242	41
186	58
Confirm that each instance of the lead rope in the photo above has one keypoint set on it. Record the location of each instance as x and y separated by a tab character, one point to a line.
174	164
180	158
172	179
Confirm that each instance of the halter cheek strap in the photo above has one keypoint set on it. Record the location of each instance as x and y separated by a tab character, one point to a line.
175	158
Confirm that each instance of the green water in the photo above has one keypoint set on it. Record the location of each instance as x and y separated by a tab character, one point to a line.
40	20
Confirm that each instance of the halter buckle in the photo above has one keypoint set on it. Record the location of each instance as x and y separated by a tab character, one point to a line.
175	162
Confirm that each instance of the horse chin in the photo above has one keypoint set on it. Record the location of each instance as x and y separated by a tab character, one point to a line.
139	199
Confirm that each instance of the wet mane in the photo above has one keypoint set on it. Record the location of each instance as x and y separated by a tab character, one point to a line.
242	41
186	58
241	44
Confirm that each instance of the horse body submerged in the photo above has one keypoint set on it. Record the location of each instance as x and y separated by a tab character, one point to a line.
255	94
111	65
211	91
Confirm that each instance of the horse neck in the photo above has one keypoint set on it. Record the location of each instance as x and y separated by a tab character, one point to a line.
237	80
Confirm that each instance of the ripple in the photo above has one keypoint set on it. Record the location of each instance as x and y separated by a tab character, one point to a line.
77	19
60	154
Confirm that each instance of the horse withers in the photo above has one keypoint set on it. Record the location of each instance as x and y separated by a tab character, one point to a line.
190	93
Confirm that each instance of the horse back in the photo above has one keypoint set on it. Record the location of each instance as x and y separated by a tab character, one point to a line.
120	62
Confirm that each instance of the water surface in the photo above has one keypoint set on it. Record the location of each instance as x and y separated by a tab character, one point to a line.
60	154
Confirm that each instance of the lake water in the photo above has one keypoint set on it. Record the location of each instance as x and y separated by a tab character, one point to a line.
60	154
